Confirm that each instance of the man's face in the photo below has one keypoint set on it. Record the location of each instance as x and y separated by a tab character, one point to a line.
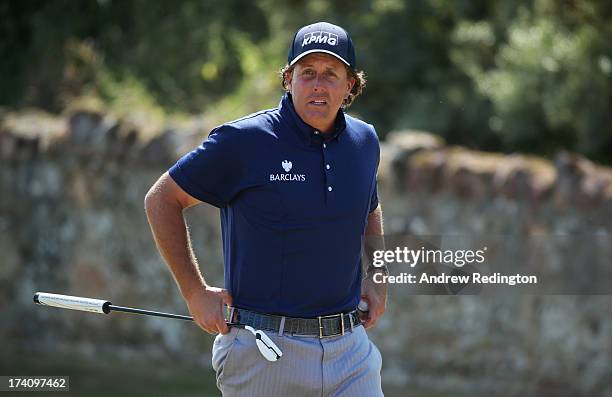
318	84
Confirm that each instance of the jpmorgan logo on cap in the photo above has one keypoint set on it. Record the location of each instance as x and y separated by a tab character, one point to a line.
320	37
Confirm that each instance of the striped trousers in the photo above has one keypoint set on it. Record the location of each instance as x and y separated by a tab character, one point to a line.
341	366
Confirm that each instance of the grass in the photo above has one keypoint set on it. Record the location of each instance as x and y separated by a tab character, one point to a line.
136	380
140	379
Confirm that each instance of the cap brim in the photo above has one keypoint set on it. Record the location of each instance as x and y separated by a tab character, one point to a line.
302	55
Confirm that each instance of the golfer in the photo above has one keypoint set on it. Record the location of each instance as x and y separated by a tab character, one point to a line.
296	187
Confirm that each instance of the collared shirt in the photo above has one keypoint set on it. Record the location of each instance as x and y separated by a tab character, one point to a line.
294	208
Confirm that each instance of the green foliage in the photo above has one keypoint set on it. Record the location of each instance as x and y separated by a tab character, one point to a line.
528	75
549	82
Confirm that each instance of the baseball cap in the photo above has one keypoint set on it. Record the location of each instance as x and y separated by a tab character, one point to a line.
322	37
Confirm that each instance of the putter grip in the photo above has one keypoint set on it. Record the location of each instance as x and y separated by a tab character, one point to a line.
72	302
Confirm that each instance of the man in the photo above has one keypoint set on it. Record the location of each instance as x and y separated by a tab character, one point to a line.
297	190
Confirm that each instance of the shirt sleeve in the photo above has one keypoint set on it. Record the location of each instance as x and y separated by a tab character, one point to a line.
213	172
374	196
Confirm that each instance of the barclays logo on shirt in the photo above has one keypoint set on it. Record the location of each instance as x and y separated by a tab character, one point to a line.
286	177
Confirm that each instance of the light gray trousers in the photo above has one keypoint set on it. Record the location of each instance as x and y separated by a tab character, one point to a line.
344	366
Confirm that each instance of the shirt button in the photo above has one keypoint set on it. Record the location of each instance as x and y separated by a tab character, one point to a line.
329	188
327	166
324	146
316	132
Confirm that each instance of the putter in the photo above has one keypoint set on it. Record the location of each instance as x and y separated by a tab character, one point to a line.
267	348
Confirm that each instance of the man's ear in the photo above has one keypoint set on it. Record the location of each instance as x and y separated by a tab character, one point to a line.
288	77
351	84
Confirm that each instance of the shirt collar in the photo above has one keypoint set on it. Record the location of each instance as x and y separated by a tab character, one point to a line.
306	132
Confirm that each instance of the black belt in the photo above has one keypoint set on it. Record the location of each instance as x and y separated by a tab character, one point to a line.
322	326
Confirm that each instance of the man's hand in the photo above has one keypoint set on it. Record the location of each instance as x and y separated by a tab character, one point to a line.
206	306
376	296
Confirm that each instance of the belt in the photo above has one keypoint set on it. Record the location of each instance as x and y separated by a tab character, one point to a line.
321	326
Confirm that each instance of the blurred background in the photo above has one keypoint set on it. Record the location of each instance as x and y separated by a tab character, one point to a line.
495	118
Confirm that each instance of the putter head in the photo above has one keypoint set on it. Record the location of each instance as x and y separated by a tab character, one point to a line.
266	347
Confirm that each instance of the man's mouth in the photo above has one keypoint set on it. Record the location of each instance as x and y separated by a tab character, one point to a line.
318	102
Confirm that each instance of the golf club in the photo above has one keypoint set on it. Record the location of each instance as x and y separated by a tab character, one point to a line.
95	305
266	347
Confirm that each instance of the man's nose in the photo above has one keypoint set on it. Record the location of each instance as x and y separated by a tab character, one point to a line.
318	83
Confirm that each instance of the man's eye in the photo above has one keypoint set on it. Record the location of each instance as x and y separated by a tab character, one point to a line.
308	72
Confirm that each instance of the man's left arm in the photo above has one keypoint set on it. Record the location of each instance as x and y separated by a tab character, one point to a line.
375	294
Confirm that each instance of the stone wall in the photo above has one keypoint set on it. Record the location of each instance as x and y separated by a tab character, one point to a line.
72	221
508	344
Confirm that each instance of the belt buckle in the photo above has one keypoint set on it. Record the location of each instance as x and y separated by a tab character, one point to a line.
321	336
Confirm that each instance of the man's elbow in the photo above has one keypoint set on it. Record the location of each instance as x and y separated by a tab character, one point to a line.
374	223
376	213
156	197
150	200
164	196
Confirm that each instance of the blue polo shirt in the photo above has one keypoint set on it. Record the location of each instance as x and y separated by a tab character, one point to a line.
294	207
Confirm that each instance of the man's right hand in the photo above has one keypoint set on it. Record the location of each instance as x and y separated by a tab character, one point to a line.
206	305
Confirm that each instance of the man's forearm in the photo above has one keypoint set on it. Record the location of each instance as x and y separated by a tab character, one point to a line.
172	239
375	294
374	240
